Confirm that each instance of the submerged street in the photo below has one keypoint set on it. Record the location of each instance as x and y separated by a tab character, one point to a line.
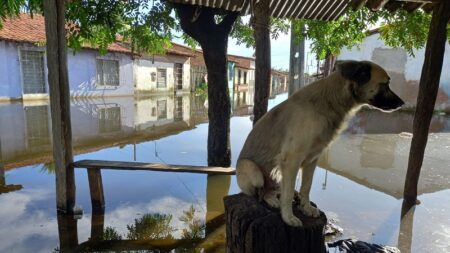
359	182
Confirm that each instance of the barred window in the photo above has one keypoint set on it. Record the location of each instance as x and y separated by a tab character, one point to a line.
161	108
107	72
109	119
32	63
161	78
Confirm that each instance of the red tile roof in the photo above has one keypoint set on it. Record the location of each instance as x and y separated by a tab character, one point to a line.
241	61
32	30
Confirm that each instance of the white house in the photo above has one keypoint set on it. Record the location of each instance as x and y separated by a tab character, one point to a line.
403	68
164	73
23	72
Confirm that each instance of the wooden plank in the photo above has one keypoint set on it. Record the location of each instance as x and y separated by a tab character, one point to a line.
428	89
118	165
60	104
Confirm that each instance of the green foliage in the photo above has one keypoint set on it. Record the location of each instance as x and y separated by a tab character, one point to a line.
110	233
151	227
243	32
399	29
405	30
195	227
143	24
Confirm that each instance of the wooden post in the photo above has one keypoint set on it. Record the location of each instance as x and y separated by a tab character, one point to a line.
96	190
405	232
428	88
253	227
2	167
217	188
97	226
261	26
296	62
68	232
60	104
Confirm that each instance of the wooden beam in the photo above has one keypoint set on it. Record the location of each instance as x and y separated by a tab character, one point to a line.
376	4
117	165
60	104
261	26
428	89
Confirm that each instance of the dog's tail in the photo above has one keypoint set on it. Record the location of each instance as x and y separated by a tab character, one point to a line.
249	177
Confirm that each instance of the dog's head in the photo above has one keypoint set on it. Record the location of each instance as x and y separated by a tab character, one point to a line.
369	84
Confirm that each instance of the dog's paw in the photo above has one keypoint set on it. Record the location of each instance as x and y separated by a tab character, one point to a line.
309	210
291	220
272	200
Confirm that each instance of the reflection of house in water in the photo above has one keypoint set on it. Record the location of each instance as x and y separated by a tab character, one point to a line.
96	124
405	70
380	161
374	151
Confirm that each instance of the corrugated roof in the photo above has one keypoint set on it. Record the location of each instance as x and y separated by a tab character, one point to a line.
311	9
32	30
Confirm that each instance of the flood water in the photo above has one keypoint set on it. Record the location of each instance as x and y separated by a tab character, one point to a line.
359	182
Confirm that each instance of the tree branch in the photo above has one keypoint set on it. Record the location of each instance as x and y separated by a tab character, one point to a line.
227	23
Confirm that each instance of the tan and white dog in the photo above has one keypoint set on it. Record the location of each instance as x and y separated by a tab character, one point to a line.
293	134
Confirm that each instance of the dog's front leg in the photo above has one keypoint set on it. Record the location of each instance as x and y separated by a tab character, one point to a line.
289	174
307	178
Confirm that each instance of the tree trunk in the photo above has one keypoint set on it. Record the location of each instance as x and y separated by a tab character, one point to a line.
261	25
200	24
296	62
60	104
428	88
253	227
219	106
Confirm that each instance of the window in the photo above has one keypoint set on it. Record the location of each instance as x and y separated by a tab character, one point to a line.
161	108
109	119
239	76
161	77
245	77
38	128
107	72
32	63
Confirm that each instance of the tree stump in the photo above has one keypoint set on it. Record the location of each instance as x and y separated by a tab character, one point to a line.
254	227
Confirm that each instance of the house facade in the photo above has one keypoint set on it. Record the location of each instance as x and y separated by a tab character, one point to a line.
23	71
164	73
404	69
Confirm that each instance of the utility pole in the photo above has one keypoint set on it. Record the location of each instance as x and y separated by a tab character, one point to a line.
296	62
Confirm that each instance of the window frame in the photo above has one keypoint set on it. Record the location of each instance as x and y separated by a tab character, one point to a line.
100	84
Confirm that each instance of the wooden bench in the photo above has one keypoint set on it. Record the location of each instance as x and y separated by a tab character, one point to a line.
117	165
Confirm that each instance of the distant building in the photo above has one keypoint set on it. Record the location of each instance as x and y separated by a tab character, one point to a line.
404	69
278	82
23	72
164	73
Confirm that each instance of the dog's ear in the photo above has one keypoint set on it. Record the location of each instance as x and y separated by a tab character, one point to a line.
359	72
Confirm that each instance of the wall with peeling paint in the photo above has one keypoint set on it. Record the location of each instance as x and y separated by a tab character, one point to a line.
403	68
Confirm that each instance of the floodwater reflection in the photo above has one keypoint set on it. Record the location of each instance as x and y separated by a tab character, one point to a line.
359	181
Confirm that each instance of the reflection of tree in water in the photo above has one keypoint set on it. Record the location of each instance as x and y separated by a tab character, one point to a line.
48	168
151	227
110	233
156	226
195	227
